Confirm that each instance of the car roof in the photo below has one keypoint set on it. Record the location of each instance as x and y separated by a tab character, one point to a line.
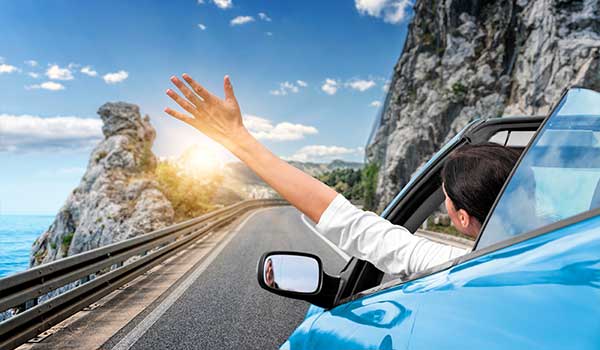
485	128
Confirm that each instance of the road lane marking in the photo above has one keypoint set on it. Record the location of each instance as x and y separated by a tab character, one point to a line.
335	248
141	328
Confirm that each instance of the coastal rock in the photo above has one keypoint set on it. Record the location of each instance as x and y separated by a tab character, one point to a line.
118	196
464	60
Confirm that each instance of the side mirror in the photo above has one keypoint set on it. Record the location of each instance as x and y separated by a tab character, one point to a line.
299	276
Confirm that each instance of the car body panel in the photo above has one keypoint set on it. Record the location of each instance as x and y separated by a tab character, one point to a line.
467	305
540	293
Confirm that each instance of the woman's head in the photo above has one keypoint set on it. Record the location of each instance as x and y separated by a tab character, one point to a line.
472	179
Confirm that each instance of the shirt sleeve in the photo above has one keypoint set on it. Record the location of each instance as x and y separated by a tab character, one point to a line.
368	236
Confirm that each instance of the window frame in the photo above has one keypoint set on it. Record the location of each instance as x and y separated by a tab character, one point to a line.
359	274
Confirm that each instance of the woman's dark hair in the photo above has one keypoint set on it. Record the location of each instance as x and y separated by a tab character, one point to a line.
474	175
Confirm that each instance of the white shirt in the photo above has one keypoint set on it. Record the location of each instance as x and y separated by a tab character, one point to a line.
391	248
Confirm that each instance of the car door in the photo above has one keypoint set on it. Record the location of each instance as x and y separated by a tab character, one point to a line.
384	317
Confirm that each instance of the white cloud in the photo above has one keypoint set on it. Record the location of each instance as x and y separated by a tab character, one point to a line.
330	86
113	78
57	73
375	104
263	129
322	153
48	85
31	63
34	133
73	66
386	86
392	11
7	68
87	70
269	33
361	85
223	4
201	26
287	87
239	20
264	16
33	75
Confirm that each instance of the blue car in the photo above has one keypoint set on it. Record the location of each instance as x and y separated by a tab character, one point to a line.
531	281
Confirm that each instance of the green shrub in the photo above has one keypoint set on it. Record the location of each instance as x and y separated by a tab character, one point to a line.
66	241
101	155
344	181
459	92
369	185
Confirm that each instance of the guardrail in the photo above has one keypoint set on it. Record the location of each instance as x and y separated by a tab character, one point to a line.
103	269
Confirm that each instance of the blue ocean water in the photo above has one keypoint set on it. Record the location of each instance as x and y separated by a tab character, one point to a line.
17	233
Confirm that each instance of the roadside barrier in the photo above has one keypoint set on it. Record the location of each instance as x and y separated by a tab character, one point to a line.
101	270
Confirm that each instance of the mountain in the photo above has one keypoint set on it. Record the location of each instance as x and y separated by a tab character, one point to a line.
239	177
316	169
118	196
464	60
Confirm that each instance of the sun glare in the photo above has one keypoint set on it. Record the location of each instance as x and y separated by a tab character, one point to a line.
202	159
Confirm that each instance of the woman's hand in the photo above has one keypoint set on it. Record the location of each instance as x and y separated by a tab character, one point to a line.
221	120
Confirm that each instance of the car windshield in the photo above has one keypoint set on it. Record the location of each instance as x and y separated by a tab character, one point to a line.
558	177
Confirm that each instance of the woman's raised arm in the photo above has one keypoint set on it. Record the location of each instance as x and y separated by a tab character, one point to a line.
221	120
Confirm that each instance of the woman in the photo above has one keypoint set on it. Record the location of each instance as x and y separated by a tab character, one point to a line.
365	235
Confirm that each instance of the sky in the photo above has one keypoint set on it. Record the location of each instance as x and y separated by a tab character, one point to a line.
310	77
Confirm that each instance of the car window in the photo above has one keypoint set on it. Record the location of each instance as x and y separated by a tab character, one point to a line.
558	177
437	226
515	138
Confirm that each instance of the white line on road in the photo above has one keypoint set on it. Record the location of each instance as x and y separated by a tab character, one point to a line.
140	329
335	248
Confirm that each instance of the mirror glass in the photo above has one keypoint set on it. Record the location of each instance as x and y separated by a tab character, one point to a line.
293	273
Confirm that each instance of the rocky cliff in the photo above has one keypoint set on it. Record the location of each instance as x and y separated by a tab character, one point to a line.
467	59
117	198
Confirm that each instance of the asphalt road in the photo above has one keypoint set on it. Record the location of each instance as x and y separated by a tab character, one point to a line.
225	308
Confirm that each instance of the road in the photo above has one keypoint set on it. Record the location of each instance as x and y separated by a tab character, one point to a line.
224	308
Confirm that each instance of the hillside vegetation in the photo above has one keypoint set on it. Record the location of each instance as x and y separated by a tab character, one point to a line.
188	196
357	185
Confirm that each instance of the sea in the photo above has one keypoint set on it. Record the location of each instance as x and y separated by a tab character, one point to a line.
17	233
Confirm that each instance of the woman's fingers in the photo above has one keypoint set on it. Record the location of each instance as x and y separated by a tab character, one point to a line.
182	102
228	88
184	118
199	89
192	97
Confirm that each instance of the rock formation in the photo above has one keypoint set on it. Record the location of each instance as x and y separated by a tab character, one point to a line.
117	197
479	59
